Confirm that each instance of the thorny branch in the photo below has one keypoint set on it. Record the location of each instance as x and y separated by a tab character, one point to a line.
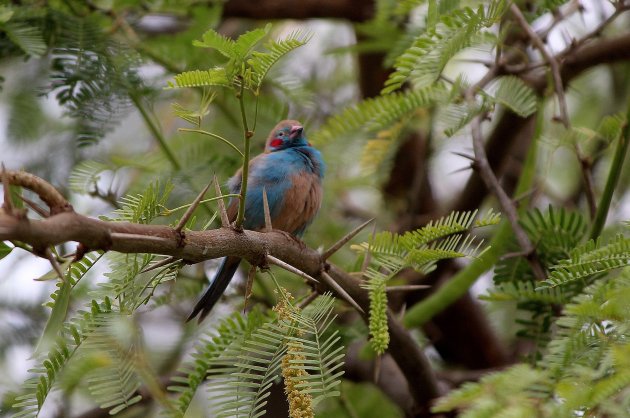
551	60
197	246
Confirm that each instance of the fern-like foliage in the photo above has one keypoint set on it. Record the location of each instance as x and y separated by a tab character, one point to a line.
248	370
421	249
114	383
378	113
321	356
261	62
202	78
86	175
37	388
242	358
27	37
144	207
231	331
514	94
92	76
126	282
584	372
245	67
505	394
424	60
381	148
556	233
60	298
589	259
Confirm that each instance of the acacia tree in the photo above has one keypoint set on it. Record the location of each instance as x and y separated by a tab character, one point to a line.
544	151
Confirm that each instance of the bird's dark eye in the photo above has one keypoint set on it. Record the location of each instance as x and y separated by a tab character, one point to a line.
280	134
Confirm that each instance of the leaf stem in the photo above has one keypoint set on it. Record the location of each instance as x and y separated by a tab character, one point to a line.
212	199
219	137
247	135
613	178
156	132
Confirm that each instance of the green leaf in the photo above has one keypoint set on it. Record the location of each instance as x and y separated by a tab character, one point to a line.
57	316
199	78
213	39
261	62
379	112
28	38
247	41
37	388
85	176
4	249
513	93
589	259
423	62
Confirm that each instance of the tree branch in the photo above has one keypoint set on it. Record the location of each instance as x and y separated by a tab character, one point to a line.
197	246
551	60
353	10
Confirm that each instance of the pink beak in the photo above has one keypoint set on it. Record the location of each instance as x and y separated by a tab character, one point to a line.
296	131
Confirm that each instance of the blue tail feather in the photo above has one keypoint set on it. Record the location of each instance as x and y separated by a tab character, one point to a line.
216	288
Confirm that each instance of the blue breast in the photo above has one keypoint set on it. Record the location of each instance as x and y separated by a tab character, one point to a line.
273	171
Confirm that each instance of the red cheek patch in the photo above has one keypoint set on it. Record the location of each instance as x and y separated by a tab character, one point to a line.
275	143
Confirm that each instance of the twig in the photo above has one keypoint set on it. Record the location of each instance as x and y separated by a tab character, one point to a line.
368	254
340	291
225	221
159	264
589	189
55	265
191	209
156	132
210	134
25	247
248	286
558	16
508	206
276	261
336	246
407	288
108	197
212	199
46	192
621	7
268	225
308	300
377	369
551	60
7	205
247	134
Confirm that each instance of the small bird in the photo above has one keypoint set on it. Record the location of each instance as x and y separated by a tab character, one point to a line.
291	171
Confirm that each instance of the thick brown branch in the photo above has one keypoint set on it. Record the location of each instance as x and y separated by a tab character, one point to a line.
353	10
197	246
579	59
55	201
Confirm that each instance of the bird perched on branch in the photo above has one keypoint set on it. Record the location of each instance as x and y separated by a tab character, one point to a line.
291	171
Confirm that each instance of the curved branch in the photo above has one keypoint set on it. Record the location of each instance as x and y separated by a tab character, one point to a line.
49	195
197	246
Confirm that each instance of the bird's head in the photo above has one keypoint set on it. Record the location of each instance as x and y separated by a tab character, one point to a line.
286	134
